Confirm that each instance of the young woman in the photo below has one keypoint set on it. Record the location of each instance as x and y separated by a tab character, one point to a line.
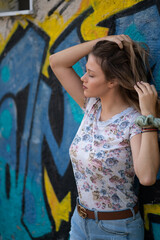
109	149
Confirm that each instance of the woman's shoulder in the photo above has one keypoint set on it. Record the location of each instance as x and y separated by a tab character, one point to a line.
91	103
130	115
133	113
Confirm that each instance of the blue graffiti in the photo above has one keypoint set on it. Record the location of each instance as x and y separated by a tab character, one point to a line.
5	123
156	231
5	74
23	71
8	130
137	28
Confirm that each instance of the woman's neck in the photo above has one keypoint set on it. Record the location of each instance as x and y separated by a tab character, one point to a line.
112	104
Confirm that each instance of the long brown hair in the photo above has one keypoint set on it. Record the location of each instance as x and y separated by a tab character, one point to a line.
129	65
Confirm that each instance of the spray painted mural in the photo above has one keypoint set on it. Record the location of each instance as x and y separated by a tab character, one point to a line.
38	119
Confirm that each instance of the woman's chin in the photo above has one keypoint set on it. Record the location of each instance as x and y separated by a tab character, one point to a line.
87	95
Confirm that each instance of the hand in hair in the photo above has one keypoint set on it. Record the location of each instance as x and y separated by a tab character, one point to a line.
147	98
118	39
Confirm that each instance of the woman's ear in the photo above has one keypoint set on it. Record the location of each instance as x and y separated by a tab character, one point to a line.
113	83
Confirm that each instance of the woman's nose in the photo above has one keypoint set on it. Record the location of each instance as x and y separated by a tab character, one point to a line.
83	78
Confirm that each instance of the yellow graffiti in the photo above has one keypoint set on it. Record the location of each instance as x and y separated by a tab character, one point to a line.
150	208
59	210
102	10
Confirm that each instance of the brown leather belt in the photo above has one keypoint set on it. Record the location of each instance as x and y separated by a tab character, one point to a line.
113	215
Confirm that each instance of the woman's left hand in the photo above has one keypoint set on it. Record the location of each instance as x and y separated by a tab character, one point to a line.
147	98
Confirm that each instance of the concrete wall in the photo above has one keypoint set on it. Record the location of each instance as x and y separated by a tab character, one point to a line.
38	119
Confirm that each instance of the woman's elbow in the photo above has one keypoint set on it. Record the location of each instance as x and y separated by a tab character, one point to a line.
54	62
148	180
51	61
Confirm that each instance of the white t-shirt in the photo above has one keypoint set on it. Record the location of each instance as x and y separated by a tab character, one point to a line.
102	160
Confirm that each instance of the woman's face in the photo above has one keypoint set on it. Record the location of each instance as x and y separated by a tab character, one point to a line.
94	81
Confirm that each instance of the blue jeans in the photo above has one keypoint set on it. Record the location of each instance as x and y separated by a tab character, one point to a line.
124	229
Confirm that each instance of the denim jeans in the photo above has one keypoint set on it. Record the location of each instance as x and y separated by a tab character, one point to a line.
125	229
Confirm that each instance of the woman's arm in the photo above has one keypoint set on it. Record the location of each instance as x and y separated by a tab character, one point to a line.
62	62
145	149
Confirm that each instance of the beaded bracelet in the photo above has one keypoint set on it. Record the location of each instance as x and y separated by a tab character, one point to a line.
149	120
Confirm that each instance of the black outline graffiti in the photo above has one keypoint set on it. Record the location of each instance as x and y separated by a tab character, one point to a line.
55	8
67	4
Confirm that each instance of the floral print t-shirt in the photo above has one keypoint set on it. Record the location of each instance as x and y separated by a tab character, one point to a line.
102	160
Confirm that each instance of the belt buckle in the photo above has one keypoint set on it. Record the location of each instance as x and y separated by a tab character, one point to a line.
82	211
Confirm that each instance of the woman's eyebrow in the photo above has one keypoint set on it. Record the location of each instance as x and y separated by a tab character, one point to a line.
89	69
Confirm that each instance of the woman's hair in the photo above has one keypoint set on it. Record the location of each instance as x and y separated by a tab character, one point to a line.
129	65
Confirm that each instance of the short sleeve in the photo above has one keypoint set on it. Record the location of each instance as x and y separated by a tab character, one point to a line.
134	129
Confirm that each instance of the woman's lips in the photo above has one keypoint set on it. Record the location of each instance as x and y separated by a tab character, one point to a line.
84	87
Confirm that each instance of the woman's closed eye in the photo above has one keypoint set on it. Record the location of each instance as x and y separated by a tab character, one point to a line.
91	76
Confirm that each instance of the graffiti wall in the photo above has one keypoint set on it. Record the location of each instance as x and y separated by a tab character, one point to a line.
38	119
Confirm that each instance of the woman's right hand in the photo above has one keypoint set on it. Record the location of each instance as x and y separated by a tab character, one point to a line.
118	39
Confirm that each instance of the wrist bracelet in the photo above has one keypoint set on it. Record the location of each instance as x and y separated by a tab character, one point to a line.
150	120
149	131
